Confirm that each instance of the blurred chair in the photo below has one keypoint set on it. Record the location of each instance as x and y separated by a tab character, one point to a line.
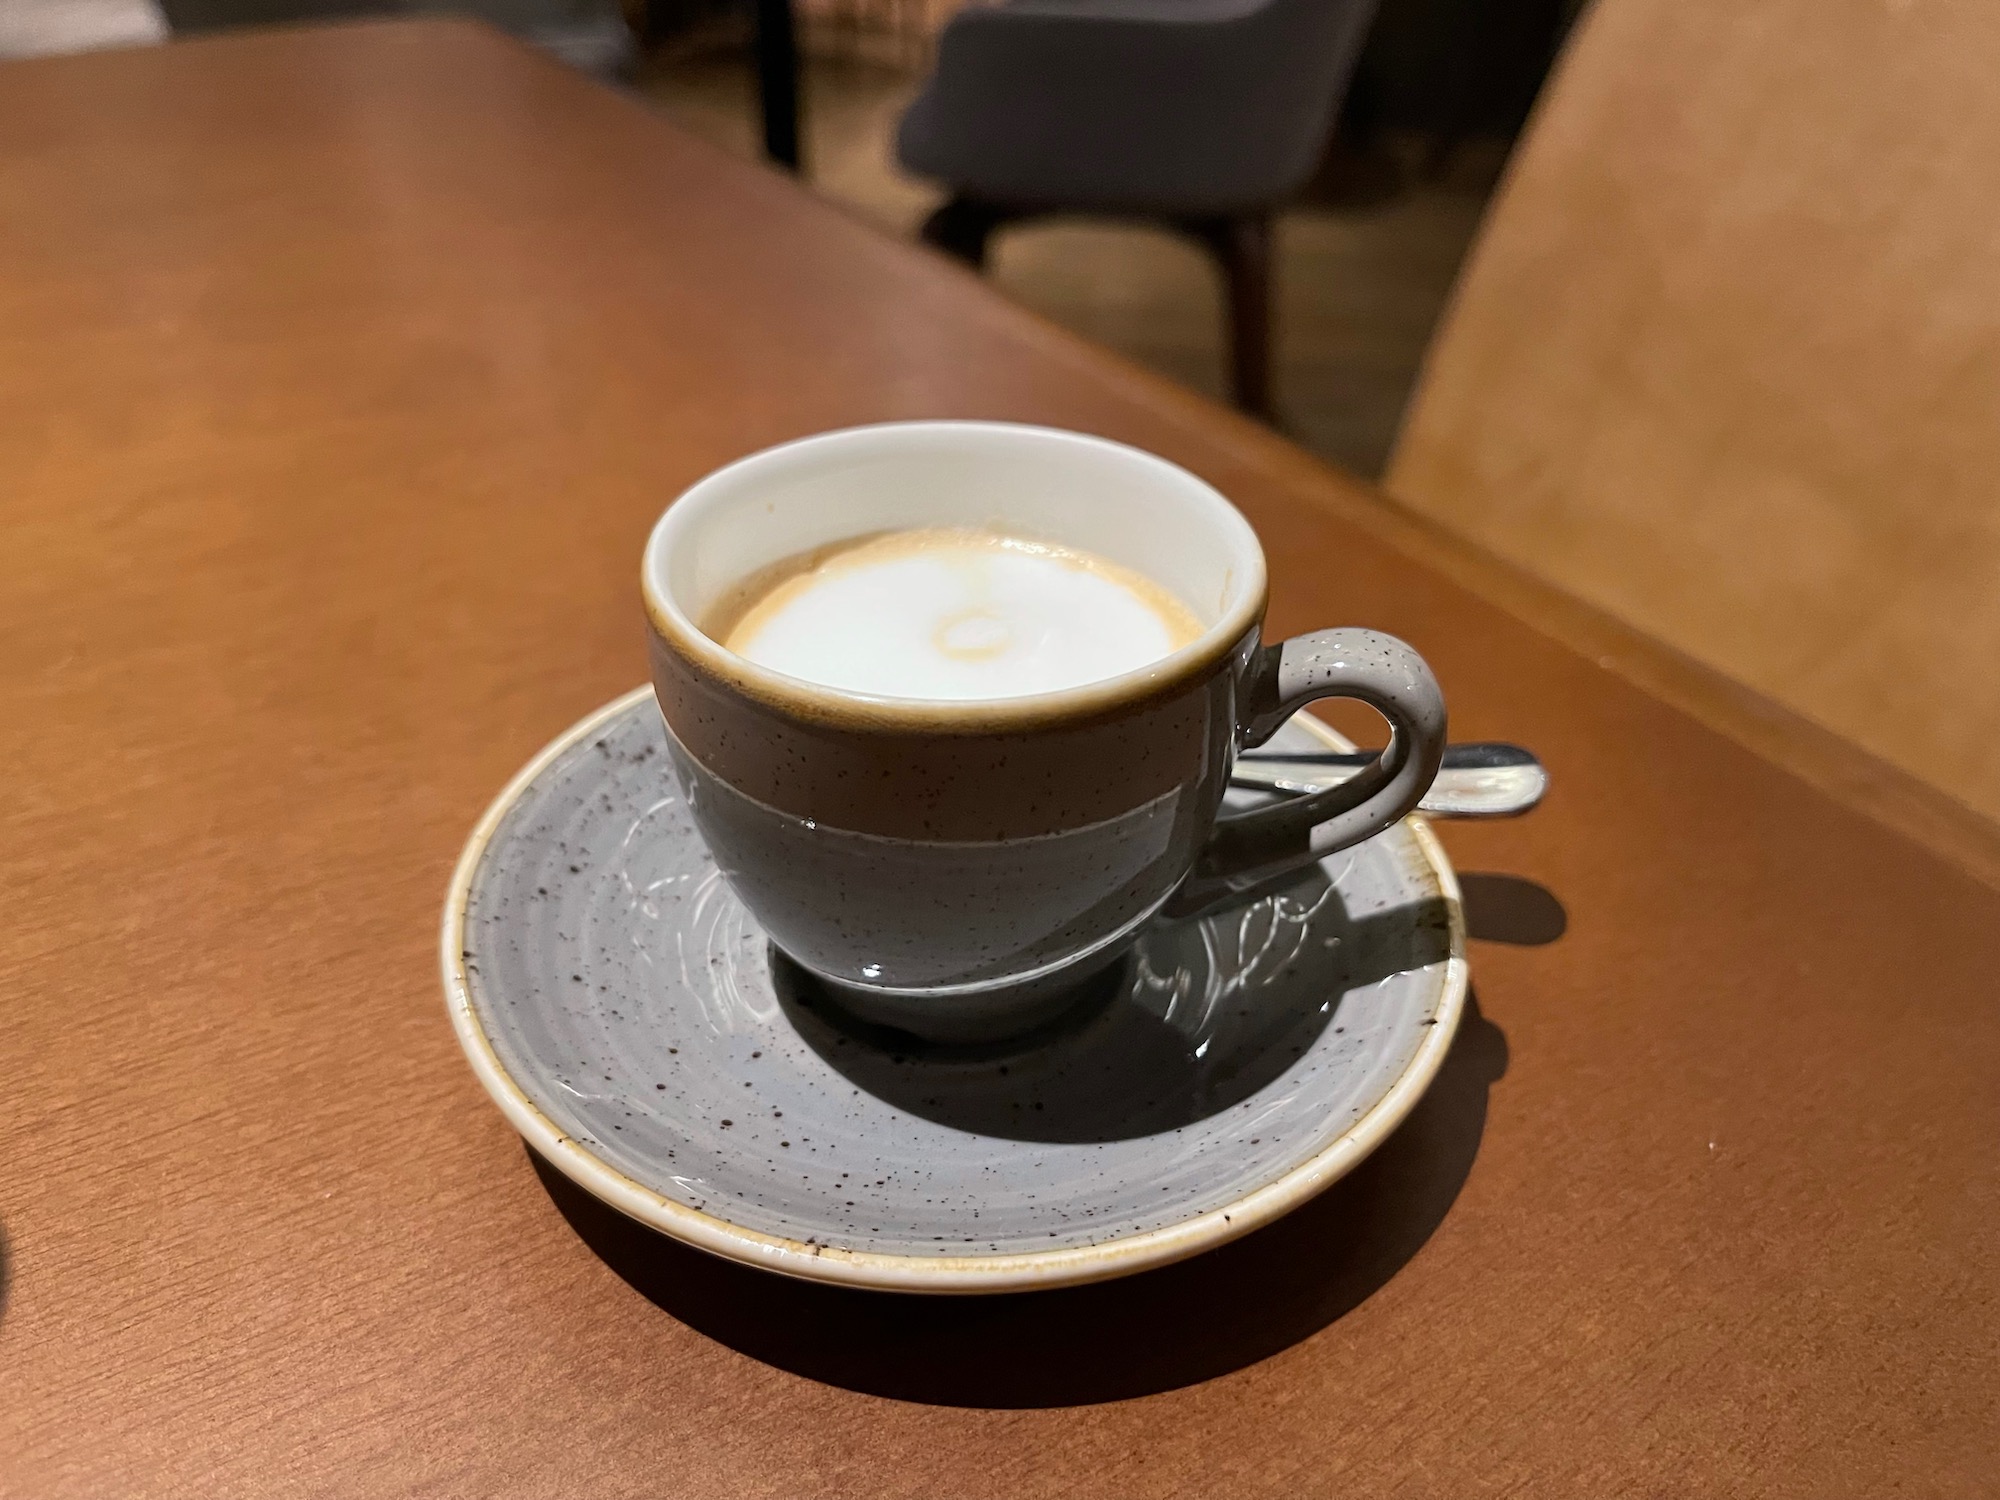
1203	114
1726	359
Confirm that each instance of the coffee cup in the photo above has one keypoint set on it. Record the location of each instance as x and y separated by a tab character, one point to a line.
956	867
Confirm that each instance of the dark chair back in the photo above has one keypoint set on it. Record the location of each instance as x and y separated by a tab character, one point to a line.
1185	107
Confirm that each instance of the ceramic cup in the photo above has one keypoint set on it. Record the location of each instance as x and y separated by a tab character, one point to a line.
957	869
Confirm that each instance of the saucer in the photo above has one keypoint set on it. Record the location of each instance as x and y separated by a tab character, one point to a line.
632	1022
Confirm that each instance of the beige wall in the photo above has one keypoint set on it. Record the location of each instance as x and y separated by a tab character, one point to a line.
1726	361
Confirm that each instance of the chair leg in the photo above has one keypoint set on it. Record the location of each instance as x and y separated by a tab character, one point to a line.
1246	261
778	81
1242	248
962	228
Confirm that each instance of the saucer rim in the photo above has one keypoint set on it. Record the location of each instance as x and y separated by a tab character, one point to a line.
947	1273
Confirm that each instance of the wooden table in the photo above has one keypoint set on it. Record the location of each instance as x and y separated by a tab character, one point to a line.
343	373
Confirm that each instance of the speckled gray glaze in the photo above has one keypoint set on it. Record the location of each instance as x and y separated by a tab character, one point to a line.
955	865
609	980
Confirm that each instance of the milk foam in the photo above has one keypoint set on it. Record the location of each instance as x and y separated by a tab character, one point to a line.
955	615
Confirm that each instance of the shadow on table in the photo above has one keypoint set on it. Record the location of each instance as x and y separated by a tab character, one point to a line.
1508	909
1152	1332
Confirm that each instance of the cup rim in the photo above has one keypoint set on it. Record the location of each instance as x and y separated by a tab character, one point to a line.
810	700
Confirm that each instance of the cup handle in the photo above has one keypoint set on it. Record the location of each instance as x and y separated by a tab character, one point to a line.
1377	669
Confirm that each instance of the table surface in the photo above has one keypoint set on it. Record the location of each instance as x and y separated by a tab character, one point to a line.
342	373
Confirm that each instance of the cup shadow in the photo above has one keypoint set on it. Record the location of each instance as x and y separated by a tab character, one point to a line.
1199	1017
1509	909
1109	1341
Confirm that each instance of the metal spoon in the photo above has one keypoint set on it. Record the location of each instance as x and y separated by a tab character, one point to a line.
1486	780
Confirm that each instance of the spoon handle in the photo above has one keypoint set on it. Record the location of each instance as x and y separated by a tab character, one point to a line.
1484	780
1473	755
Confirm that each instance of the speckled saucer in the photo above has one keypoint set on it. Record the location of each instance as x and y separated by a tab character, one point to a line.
632	1022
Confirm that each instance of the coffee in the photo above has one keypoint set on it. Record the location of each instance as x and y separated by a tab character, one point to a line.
941	613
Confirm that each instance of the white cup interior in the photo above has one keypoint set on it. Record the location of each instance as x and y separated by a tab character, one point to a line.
1034	482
